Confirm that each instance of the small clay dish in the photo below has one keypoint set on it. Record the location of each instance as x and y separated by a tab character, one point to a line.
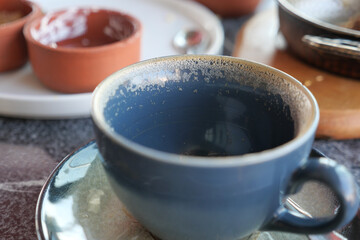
73	50
13	16
231	8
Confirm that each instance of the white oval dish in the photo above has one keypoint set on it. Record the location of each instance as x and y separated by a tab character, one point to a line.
22	95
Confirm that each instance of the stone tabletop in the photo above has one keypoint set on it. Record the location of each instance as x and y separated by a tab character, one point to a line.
30	150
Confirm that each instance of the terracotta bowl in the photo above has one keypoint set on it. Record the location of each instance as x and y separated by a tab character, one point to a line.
13	16
231	8
73	50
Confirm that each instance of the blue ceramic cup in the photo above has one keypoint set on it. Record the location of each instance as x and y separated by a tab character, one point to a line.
208	147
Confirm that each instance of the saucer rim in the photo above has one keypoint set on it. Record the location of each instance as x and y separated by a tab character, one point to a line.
39	203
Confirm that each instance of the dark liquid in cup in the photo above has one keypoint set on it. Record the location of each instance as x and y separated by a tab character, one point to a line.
202	120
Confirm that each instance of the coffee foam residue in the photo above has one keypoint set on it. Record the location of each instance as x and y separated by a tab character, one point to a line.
278	83
155	73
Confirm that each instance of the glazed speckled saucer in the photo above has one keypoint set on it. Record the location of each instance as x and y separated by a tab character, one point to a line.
77	202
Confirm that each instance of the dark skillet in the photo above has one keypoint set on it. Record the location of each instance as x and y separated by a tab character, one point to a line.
323	33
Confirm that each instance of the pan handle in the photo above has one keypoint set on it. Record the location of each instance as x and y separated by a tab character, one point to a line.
337	46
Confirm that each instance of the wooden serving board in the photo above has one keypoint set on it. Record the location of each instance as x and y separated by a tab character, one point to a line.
338	97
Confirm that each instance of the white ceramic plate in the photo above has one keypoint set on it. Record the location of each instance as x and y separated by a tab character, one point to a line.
22	95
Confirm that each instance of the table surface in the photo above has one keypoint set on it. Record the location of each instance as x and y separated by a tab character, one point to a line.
30	150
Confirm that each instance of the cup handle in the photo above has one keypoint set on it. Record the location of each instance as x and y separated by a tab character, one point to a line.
335	176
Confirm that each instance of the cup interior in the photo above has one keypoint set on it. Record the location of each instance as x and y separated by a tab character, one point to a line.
203	106
83	27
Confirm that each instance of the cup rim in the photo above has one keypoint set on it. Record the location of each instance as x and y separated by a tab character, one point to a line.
201	161
123	42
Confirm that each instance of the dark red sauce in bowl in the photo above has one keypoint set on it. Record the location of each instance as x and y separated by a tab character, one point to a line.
73	50
83	28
